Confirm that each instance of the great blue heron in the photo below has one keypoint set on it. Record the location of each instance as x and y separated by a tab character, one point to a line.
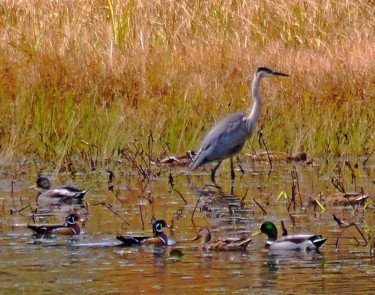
228	137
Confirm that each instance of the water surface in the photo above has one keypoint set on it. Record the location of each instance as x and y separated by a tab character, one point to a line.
97	264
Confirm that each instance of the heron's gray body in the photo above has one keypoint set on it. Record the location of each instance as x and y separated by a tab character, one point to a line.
226	139
229	136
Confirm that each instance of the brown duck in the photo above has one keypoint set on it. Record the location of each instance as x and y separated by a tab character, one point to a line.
220	245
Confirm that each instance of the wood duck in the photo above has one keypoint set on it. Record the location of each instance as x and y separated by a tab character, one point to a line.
159	238
64	195
69	227
220	245
303	242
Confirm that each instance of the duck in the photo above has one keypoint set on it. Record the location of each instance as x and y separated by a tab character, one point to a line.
305	242
64	195
159	238
220	245
46	231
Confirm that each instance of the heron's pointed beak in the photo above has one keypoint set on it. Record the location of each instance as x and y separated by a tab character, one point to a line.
280	74
257	233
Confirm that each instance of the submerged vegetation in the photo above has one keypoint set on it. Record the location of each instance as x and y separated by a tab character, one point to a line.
101	77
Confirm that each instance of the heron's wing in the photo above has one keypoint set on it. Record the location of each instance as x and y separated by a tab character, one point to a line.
225	138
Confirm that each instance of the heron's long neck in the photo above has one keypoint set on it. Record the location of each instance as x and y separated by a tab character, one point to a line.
254	114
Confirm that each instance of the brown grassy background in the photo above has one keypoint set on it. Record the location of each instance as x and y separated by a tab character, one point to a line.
90	77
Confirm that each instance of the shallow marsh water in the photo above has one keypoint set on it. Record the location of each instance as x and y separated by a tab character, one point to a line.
95	263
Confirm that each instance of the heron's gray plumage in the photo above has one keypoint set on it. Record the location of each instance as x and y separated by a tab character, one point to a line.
225	139
228	137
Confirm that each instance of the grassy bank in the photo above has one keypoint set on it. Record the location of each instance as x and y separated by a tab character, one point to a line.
90	78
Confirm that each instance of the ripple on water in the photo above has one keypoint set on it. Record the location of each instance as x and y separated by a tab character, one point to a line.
96	264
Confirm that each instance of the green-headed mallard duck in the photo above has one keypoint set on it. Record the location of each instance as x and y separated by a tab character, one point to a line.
159	238
64	195
69	227
290	242
220	245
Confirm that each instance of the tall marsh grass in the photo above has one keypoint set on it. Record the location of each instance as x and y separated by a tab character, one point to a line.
97	75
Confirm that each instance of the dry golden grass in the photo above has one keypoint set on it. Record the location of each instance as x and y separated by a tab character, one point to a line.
90	77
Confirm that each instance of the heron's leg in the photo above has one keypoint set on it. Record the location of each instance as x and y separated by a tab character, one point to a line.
232	174
213	171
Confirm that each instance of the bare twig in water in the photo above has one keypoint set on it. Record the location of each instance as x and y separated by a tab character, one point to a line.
196	205
241	169
111	176
244	196
368	157
343	225
264	211
372	244
261	140
338	185
141	214
181	196
354	172
110	208
171	182
16	211
293	198
13	176
12	193
285	232
295	190
150	145
256	155
170	178
296	179
139	159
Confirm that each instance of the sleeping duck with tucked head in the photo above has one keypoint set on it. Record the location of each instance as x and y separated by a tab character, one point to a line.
65	195
208	244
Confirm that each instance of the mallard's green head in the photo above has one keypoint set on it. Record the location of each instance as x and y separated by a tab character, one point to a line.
270	230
